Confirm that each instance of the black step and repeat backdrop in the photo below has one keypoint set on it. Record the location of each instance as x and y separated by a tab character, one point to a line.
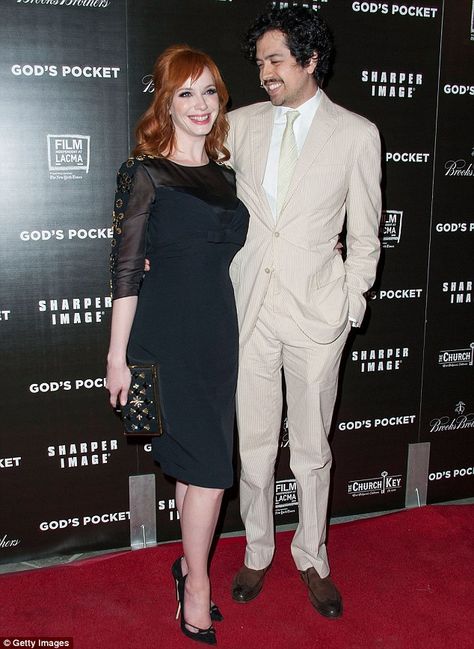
74	78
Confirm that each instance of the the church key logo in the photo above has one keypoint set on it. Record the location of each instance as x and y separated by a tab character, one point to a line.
383	484
463	357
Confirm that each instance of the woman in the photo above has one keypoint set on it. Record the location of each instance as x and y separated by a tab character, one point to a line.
177	206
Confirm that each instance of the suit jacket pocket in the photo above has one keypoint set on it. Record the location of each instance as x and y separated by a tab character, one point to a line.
328	273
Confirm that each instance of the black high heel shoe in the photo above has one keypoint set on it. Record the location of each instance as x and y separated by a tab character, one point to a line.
177	572
208	636
216	615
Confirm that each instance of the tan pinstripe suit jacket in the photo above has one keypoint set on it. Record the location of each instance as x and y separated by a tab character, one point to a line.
338	171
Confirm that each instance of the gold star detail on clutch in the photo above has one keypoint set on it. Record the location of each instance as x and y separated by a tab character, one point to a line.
136	402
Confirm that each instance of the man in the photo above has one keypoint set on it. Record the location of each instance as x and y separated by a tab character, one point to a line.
303	166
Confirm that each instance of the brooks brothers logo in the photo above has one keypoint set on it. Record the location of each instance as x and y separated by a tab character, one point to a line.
6	542
91	4
73	455
392	85
285	435
76	310
286	497
459	292
68	154
380	360
395	9
371	486
459	168
458	420
457	357
147	83
391	228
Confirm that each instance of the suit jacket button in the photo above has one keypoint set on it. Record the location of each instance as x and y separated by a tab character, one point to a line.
267	270
277	234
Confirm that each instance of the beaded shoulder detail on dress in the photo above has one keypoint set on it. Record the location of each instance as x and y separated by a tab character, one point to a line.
125	177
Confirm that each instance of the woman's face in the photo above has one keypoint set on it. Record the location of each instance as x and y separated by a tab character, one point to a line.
195	107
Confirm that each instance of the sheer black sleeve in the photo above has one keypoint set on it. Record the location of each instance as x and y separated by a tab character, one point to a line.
133	200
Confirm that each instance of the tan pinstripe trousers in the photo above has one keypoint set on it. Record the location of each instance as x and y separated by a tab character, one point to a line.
311	374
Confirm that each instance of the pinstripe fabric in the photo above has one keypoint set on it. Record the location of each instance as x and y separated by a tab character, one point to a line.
311	373
294	296
288	158
338	168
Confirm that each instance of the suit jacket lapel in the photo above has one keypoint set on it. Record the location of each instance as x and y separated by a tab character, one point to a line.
261	126
323	126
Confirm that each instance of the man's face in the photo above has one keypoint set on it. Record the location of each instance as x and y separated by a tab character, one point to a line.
285	80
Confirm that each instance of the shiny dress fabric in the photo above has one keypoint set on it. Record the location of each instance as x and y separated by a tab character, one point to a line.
188	222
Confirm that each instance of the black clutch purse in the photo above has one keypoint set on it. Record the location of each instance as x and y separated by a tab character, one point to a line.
142	414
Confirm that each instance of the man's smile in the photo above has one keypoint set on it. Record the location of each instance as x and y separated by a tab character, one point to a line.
273	85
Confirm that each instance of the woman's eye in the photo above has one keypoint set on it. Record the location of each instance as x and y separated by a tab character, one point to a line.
211	91
185	93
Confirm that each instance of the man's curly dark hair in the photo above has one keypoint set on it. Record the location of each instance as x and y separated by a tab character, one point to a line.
305	31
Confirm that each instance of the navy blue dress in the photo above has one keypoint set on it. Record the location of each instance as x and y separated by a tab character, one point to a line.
189	223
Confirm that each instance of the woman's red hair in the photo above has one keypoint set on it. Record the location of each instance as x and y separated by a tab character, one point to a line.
155	131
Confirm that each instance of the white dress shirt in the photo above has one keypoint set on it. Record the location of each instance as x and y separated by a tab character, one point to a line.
301	127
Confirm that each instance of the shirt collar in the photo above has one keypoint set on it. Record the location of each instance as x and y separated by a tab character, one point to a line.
306	110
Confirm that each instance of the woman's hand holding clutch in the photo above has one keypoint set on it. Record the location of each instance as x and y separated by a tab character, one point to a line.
118	383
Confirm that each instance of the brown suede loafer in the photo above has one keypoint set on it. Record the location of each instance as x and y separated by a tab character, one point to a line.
247	584
323	594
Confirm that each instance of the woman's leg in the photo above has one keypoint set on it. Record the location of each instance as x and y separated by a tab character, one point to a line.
199	510
180	493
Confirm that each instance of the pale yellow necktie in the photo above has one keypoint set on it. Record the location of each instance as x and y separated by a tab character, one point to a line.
288	158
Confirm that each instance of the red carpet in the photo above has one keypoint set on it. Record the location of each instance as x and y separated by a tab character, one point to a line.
406	580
